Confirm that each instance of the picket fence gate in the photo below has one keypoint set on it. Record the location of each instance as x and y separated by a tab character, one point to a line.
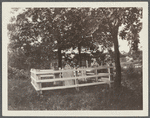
80	74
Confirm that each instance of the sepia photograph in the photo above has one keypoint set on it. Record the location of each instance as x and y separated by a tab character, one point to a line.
75	59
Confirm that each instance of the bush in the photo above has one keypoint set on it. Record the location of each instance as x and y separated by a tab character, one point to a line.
132	78
14	73
132	72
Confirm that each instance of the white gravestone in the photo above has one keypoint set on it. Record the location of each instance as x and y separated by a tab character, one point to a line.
67	75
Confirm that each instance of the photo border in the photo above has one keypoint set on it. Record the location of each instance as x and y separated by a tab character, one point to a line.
72	113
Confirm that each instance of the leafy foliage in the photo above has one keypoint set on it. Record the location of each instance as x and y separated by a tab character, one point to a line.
42	33
38	32
113	18
14	73
80	20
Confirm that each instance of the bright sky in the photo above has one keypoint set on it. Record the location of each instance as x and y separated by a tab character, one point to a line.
123	44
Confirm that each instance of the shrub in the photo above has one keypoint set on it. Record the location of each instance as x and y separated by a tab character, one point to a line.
131	72
14	73
133	78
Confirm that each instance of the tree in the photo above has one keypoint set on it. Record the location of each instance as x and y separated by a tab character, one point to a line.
63	28
113	18
80	33
16	58
19	42
43	28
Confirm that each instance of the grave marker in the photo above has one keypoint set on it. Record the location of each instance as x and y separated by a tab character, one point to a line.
67	75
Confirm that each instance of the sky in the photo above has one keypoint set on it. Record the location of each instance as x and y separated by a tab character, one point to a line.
123	44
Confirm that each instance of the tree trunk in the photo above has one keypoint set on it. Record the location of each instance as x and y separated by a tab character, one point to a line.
59	58
117	81
79	50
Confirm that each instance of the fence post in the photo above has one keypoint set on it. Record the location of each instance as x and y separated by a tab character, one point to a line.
54	77
34	75
60	73
84	73
39	85
31	75
96	76
86	63
60	76
76	80
109	77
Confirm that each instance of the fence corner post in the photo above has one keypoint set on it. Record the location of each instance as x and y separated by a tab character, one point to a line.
31	69
39	85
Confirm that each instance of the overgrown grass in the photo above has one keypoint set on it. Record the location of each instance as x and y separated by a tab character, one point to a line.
22	96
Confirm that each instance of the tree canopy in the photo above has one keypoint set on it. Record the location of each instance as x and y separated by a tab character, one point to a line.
113	18
43	33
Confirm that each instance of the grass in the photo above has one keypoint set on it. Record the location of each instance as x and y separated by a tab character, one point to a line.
22	96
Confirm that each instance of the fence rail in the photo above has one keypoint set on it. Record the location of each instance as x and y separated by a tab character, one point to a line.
60	79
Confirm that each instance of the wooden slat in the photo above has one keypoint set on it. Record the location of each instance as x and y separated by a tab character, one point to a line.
56	79
72	86
69	78
101	67
90	73
52	72
59	87
43	70
64	87
103	74
90	84
62	79
79	69
105	80
46	75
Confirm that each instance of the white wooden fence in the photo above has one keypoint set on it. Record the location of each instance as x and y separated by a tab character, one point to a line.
80	77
